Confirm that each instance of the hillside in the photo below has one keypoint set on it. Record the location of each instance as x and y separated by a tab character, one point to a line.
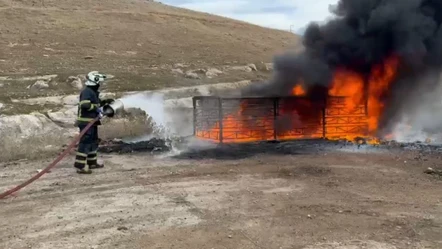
138	41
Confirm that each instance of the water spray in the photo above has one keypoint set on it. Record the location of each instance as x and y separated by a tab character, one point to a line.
162	122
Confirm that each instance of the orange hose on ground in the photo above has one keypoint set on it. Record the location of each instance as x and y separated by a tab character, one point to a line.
50	166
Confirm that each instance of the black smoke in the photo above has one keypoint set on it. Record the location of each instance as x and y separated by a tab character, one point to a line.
362	34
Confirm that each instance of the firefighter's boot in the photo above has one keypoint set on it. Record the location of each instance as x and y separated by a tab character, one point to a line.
96	166
84	170
81	165
92	160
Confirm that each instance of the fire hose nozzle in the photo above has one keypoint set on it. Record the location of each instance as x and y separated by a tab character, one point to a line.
113	108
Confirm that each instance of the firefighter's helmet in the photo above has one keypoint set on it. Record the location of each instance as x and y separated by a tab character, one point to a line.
94	78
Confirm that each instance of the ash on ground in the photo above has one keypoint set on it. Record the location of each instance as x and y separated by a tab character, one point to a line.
121	147
193	148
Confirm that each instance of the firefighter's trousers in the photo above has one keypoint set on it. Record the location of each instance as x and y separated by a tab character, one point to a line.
87	147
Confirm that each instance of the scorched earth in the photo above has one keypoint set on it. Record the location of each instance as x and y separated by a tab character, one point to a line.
287	195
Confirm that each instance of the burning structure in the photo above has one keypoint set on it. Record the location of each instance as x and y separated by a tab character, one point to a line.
358	74
276	118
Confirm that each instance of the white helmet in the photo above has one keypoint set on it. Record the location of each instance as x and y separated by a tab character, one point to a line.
94	78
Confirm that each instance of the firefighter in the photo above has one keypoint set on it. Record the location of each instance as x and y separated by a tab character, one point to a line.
89	108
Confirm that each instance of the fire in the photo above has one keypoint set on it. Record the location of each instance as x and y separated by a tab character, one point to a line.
235	127
298	90
349	84
379	82
361	106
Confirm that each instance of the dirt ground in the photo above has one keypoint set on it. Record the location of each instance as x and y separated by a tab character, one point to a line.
340	199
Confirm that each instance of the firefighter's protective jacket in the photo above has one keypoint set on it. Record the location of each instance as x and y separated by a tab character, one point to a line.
88	106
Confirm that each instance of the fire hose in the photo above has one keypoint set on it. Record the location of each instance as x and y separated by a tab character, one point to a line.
109	111
53	164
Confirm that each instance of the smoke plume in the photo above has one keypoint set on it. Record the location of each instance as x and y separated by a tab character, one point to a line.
364	33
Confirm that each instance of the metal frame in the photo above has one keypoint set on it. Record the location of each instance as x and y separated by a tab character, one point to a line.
234	120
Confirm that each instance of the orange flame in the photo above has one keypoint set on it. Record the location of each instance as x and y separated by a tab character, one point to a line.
379	82
298	90
358	90
348	84
351	84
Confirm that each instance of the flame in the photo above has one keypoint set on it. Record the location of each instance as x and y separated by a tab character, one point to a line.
380	79
351	84
298	90
363	106
236	128
348	84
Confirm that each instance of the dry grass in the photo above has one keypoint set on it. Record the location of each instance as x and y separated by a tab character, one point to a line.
125	128
131	123
34	147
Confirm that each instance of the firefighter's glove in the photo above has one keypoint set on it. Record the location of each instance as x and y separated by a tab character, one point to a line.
100	113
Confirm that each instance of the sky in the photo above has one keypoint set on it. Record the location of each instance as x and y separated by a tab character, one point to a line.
279	14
